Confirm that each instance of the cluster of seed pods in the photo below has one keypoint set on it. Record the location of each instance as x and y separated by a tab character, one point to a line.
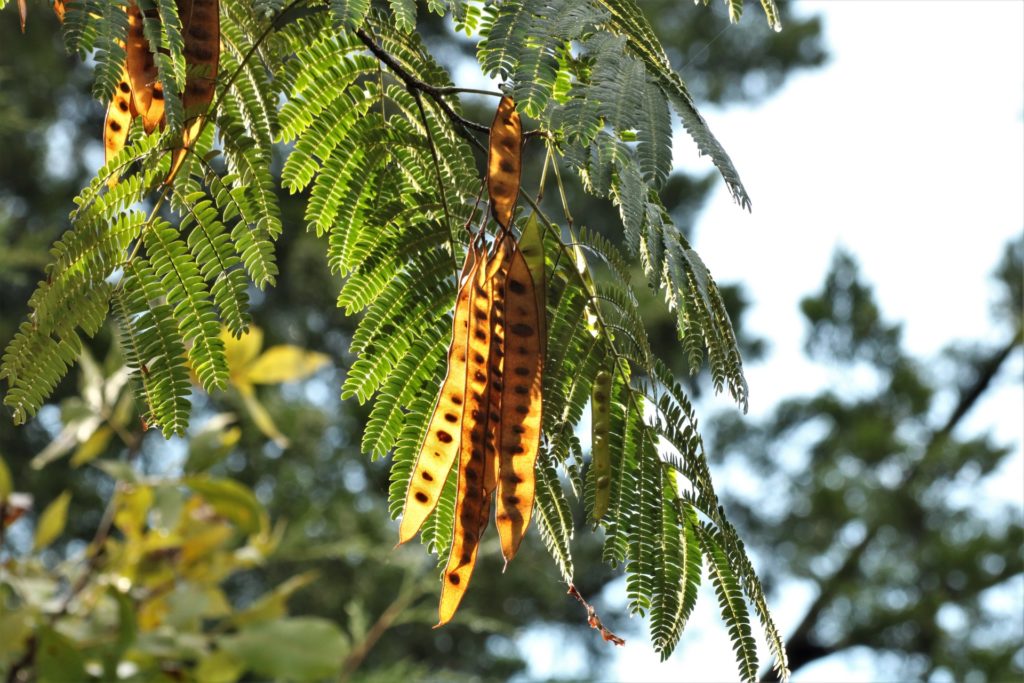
488	412
139	92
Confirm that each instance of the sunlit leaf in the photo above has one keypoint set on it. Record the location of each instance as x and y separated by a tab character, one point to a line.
243	350
52	521
133	505
274	604
261	417
93	447
231	500
219	667
285	364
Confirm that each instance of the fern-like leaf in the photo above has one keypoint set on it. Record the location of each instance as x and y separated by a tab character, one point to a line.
731	602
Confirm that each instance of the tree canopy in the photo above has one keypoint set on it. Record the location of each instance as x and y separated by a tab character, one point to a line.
380	152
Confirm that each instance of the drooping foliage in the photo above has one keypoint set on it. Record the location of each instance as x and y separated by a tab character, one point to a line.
374	138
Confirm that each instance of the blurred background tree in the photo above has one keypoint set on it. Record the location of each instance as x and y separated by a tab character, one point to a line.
861	491
899	564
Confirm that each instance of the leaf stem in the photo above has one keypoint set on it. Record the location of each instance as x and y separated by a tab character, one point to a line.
453	90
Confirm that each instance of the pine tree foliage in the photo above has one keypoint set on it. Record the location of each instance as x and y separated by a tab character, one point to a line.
374	139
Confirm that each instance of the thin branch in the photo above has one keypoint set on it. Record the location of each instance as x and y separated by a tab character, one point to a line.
435	93
385	621
414	84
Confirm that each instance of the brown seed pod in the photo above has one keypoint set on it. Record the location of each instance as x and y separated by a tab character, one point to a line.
443	436
471	503
147	93
120	113
521	407
498	272
200	23
504	161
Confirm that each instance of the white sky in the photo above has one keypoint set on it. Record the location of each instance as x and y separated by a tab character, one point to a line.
908	150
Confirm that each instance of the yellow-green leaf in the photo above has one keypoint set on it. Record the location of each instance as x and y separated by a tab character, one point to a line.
52	521
219	667
261	417
212	443
132	507
6	483
274	605
93	447
231	500
285	364
16	625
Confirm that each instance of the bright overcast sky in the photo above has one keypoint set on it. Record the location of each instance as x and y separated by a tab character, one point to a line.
906	149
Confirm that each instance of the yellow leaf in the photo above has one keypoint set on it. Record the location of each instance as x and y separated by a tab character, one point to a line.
6	484
241	352
219	667
132	507
285	364
231	499
261	417
152	613
52	521
92	447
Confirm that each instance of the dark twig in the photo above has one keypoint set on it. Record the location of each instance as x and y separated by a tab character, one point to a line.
435	93
593	619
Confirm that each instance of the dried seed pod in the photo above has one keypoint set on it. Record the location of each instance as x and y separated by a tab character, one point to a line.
521	407
600	424
120	113
23	11
443	436
471	502
497	274
504	161
200	23
147	93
